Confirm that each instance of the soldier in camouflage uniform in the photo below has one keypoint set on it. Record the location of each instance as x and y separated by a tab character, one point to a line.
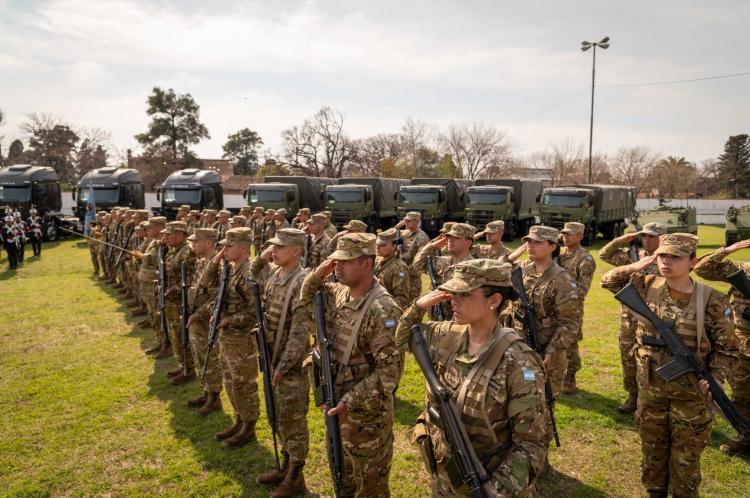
238	352
302	219
390	270
182	213
209	218
447	226
672	418
280	219
714	266
330	228
498	377
319	248
175	237
205	281
139	244
222	224
581	265
354	226
237	221
494	249
96	233
361	314
413	238
458	243
290	341
255	223
194	221
269	226
621	251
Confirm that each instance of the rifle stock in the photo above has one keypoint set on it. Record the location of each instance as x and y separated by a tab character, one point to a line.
437	309
213	329
162	293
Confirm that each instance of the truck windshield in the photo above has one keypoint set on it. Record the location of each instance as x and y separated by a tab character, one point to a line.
344	196
12	193
101	195
487	197
191	196
418	197
264	195
564	200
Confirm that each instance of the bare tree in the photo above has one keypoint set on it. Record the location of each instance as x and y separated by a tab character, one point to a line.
477	149
373	153
633	165
417	137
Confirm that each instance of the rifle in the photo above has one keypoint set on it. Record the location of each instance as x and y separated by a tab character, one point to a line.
185	312
262	233
325	375
633	252
308	247
684	361
122	249
740	282
213	328
96	240
469	466
436	309
162	293
265	359
532	339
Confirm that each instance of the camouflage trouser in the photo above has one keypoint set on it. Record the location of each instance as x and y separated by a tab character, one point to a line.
442	488
292	403
627	343
94	252
367	439
573	354
198	346
238	358
174	326
739	378
415	284
146	292
102	255
673	435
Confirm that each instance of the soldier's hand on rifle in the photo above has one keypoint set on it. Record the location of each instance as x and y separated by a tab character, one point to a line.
341	410
743	244
706	390
432	298
325	268
548	361
224	323
512	257
137	255
276	377
267	254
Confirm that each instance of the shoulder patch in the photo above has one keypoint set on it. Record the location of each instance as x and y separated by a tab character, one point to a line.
390	323
400	274
573	284
727	311
529	375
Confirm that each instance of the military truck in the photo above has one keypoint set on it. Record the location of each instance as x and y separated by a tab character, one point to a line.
23	186
738	224
371	200
198	188
513	200
437	199
111	187
602	208
288	192
675	218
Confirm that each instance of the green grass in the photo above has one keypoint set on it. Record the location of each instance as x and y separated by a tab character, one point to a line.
84	412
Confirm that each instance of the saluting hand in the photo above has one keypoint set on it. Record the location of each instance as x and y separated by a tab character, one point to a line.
439	242
642	263
219	256
432	298
512	257
267	254
628	237
325	268
743	244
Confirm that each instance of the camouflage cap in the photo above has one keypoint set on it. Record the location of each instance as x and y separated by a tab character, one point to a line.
677	244
573	227
654	229
258	209
387	237
157	222
203	234
288	237
477	273
194	212
185	207
270	211
129	212
176	226
356	226
224	212
541	232
447	226
209	211
237	235
239	219
494	226
413	216
281	211
304	211
327	214
463	230
142	212
142	226
318	218
354	245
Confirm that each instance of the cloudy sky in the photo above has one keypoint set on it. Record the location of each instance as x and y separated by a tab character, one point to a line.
269	65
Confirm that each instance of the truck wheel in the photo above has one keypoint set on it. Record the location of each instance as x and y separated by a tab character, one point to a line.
50	232
510	231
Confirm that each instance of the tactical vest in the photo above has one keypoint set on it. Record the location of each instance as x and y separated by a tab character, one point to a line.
235	298
544	317
198	294
172	262
277	297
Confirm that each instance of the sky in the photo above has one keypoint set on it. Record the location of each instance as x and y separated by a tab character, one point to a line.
269	65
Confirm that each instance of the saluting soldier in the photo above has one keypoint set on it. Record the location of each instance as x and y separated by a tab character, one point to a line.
390	270
222	224
413	239
194	220
182	213
495	380
320	246
269	227
256	228
209	218
354	226
619	253
673	420
303	217
280	219
361	319
288	330
237	221
494	249
330	228
581	265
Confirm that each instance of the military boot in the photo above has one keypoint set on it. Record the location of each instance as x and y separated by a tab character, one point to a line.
164	352
227	433
630	404
294	482
658	494
199	401
735	446
140	312
145	324
181	378
244	436
174	373
275	476
569	385
212	404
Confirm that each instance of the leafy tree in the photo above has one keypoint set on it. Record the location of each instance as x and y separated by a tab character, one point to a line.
674	177
273	168
51	143
734	165
15	153
242	148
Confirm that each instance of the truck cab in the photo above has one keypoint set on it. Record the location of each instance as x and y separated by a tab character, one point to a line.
737	225
487	203
428	200
198	188
349	202
273	196
111	187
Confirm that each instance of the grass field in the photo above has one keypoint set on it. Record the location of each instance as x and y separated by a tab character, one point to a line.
83	412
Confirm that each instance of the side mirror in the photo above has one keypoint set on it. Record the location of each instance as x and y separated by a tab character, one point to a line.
73	193
441	196
158	194
538	197
244	194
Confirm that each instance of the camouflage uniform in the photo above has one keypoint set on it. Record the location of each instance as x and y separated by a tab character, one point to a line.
366	383
319	250
331	230
93	243
176	257
412	242
487	251
148	275
673	421
392	273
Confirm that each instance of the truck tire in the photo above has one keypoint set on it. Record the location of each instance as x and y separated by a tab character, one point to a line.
50	231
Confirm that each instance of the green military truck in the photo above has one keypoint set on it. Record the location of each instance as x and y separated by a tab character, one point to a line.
288	192
513	200
738	224
437	199
675	218
198	188
371	200
602	208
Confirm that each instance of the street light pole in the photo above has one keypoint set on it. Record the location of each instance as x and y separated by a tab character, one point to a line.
604	43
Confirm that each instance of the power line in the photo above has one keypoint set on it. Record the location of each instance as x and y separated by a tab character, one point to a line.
673	82
547	109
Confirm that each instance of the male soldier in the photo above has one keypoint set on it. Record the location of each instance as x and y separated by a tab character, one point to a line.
141	242
494	249
255	223
445	229
8	234
105	235
553	293
238	353
288	330
269	227
205	281
354	226
413	239
194	220
21	235
330	228
620	252
319	248
127	265
222	225
209	218
363	316
237	221
280	219
714	266
182	213
35	225
390	270
246	212
96	234
458	243
673	420
303	217
579	263
175	237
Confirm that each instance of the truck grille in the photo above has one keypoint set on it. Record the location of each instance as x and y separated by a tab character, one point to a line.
556	221
341	218
480	218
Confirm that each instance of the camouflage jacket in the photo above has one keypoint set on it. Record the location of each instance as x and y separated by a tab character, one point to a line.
149	269
331	230
412	243
176	257
443	264
486	251
714	266
581	266
393	274
205	282
319	250
239	307
618	254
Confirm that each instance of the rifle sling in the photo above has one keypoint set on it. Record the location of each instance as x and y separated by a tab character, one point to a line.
280	327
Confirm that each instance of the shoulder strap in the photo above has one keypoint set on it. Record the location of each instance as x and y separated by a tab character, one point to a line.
376	292
280	327
702	294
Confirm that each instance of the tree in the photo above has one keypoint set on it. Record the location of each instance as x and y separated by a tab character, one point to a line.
15	153
418	156
242	148
92	152
378	155
51	143
632	166
673	177
734	165
273	168
476	149
175	126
